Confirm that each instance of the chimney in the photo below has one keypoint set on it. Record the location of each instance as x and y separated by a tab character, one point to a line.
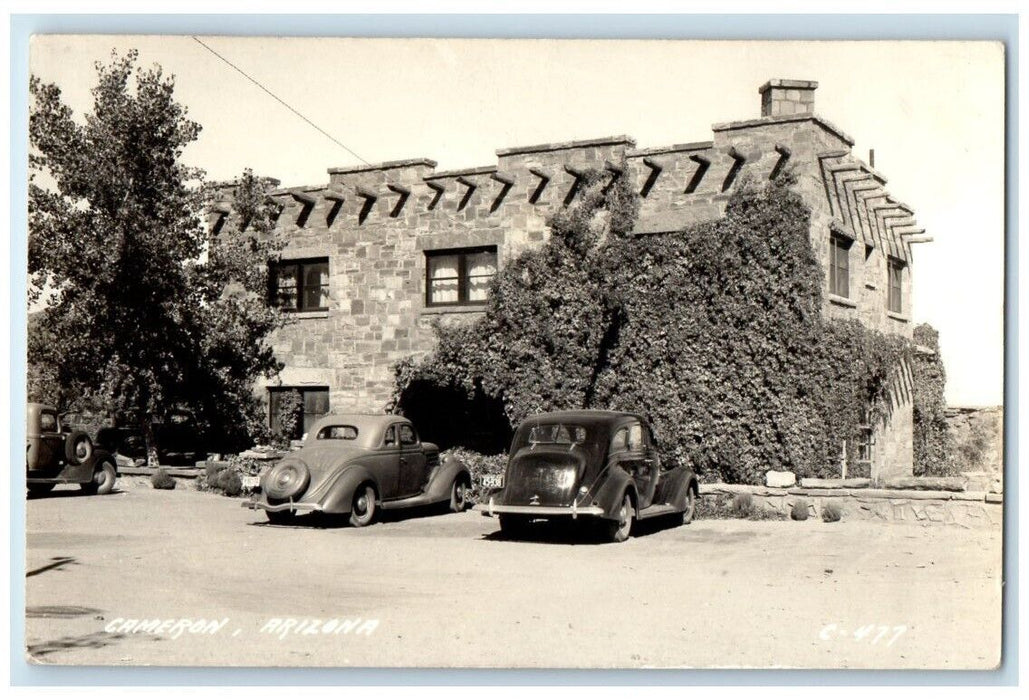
783	98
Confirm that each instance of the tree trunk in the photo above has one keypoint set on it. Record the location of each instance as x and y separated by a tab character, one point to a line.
150	440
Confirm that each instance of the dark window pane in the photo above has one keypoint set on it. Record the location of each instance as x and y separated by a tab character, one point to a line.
460	277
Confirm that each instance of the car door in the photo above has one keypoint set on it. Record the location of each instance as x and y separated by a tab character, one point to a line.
639	461
46	445
412	461
385	465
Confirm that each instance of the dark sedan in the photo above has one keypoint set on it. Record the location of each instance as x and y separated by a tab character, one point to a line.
595	464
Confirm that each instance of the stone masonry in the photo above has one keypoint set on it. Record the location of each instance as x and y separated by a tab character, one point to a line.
375	223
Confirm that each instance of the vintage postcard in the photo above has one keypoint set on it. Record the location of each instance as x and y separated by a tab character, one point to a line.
541	354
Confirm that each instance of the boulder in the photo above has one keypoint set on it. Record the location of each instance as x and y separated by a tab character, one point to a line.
780	480
927	483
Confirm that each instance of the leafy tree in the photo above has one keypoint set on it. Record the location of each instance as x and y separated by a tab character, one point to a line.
137	320
933	443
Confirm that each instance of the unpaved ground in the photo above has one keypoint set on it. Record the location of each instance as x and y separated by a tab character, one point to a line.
446	590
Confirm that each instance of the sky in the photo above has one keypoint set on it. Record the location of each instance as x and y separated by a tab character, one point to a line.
932	111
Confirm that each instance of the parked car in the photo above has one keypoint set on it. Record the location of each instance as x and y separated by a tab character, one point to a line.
356	464
594	464
179	440
56	454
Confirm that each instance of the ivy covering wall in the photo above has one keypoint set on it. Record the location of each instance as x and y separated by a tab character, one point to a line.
933	444
715	334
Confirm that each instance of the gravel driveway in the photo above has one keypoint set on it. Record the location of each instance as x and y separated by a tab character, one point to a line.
144	577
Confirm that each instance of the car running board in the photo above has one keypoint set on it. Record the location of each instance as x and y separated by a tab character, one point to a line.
422	499
656	510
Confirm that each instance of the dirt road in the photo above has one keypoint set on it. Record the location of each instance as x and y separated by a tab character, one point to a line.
144	577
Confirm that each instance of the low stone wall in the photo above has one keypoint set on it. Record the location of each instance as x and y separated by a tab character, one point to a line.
963	508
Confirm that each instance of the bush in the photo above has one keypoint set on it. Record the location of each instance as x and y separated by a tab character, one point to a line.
799	510
230	482
831	512
478	464
162	480
721	507
743	505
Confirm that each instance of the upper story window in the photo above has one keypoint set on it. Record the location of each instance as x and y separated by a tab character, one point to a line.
839	265
459	276
300	285
895	289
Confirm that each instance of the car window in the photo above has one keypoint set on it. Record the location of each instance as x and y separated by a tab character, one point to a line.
635	442
557	433
407	436
391	436
620	441
48	422
337	432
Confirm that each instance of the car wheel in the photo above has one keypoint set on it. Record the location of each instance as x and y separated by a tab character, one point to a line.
515	526
286	479
459	495
618	530
691	506
40	489
78	448
103	480
280	517
362	510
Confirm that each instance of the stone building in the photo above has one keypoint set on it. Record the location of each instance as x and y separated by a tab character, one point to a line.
380	251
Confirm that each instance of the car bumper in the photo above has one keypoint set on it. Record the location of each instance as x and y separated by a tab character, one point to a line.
573	511
279	507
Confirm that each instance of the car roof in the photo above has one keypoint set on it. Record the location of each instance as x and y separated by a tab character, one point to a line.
369	427
590	416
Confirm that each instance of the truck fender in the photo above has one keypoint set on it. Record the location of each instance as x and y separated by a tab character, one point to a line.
438	486
340	494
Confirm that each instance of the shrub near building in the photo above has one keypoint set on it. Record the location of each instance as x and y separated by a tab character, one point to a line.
714	333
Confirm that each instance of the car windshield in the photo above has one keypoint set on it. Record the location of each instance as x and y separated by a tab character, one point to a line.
591	439
337	432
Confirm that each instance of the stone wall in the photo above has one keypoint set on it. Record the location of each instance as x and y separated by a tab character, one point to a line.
962	508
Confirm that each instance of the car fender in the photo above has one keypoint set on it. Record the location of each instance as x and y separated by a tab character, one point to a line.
675	486
340	494
609	495
438	486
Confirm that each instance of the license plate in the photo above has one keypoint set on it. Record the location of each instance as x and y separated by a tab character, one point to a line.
492	481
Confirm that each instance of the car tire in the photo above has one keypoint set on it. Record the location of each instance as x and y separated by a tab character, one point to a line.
362	508
40	489
78	448
691	506
459	494
280	517
514	526
104	477
618	530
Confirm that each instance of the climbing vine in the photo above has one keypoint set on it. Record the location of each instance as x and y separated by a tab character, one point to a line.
715	334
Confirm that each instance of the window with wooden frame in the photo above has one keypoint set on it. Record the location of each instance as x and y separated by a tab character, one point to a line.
839	265
315	404
895	288
459	276
300	285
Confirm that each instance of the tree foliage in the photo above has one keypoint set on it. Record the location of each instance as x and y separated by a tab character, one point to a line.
143	311
715	334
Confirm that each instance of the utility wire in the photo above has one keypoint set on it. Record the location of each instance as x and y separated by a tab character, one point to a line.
281	101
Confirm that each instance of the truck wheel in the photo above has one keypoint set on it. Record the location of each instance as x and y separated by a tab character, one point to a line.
103	479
